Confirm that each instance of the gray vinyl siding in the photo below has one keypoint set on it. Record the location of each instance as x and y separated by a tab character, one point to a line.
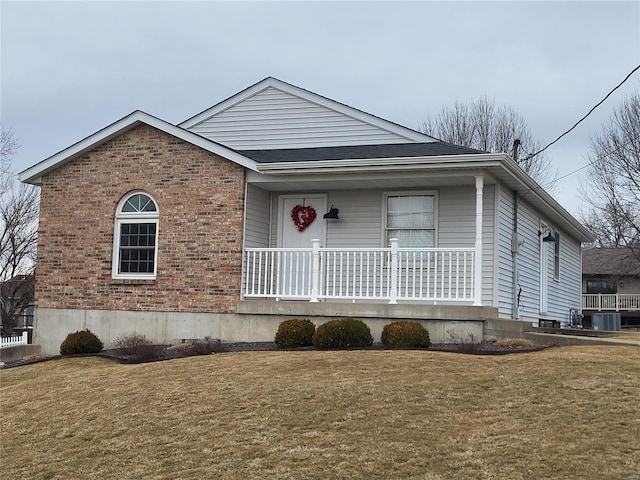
562	294
528	262
565	293
360	223
256	230
505	258
276	119
457	227
273	233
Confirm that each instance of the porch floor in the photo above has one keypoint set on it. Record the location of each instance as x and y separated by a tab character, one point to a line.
368	310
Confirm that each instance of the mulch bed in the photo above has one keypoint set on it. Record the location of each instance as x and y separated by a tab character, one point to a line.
164	352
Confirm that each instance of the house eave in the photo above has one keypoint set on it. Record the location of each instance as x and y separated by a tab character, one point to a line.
499	165
381	164
34	174
536	195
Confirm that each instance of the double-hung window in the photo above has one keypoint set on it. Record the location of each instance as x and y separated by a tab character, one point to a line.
411	218
135	245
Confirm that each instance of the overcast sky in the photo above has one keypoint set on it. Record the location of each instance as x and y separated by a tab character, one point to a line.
71	68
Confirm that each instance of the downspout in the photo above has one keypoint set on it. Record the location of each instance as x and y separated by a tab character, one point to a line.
515	246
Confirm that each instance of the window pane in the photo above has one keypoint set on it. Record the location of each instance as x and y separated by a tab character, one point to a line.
137	247
411	219
139	203
602	286
422	211
413	238
410	211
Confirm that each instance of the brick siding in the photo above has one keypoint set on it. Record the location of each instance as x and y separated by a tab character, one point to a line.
200	198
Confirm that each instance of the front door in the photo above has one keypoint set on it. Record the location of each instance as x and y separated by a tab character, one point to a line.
295	268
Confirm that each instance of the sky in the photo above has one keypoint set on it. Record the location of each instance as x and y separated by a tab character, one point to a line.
69	69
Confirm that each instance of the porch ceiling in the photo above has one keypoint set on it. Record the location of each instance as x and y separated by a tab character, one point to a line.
359	181
416	172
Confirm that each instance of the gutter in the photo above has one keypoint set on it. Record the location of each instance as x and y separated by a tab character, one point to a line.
377	164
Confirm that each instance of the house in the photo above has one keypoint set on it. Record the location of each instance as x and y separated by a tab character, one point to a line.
277	203
17	305
611	284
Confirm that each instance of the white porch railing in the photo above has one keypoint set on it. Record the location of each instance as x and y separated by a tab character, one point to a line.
384	274
14	340
616	302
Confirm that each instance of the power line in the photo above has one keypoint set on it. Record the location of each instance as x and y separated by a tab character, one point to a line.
588	113
588	164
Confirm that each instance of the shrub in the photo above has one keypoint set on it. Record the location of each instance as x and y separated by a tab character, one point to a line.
405	334
138	347
514	343
82	341
295	333
207	346
468	344
191	347
342	333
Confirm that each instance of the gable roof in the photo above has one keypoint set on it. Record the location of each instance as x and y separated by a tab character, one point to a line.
408	151
275	114
393	150
34	174
610	261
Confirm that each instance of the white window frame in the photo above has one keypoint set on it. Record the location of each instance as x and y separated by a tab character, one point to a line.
122	218
409	193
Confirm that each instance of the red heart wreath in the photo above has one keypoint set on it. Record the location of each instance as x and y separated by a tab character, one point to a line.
303	216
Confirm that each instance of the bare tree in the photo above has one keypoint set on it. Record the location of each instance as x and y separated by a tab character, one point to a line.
18	238
8	147
612	188
486	126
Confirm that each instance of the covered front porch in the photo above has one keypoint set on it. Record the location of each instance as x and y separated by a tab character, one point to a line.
383	275
358	258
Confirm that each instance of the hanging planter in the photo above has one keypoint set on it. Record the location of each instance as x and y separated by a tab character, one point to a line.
303	216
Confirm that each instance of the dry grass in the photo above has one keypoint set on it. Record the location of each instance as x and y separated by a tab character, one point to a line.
561	413
514	342
634	335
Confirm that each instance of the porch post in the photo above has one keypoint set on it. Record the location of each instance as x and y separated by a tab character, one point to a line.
315	269
478	246
599	302
393	291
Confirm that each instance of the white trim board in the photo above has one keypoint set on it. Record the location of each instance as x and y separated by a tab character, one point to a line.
33	174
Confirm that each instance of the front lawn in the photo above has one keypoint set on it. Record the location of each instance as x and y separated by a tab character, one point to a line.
560	413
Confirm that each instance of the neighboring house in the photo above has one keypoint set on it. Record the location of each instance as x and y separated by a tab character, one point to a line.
611	284
208	227
17	304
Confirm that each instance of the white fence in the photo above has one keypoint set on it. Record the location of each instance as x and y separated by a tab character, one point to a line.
388	274
14	340
615	302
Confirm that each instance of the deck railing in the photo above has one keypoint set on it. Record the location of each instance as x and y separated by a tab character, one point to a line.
385	274
14	340
615	302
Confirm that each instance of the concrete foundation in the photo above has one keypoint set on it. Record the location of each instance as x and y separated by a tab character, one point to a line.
18	352
497	328
255	322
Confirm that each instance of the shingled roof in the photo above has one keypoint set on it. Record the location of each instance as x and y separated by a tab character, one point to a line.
393	150
610	262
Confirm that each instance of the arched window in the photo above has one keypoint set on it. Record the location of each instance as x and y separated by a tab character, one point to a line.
135	243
